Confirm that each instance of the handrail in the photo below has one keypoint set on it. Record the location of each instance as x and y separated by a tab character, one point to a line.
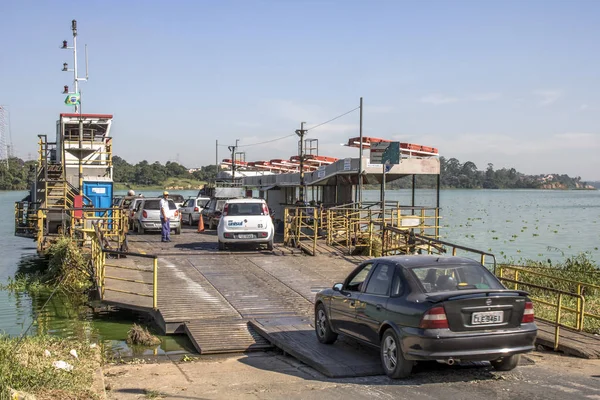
454	246
579	312
99	252
527	270
517	277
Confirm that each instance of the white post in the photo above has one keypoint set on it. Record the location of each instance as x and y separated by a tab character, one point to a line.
74	28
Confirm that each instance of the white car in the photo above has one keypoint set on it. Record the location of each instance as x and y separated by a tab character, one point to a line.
191	209
147	216
245	221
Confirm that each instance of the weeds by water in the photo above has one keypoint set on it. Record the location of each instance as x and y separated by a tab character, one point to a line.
571	276
67	266
29	367
141	336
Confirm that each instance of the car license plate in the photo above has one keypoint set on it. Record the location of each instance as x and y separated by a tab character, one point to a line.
487	317
245	236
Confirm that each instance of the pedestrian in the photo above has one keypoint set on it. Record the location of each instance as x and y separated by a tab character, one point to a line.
164	217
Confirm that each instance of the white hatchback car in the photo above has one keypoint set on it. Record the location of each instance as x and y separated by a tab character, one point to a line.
245	221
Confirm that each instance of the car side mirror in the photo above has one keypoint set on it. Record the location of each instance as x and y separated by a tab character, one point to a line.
338	287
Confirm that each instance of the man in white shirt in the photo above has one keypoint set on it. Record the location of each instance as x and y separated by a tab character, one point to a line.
164	217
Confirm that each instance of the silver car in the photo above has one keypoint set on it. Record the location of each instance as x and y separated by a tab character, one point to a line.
191	209
147	216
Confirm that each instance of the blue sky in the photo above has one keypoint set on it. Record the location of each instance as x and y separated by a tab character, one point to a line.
513	83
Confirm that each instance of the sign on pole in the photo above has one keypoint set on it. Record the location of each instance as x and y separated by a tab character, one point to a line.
391	154
376	152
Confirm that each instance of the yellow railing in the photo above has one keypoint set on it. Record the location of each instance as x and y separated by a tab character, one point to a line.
302	224
98	255
548	284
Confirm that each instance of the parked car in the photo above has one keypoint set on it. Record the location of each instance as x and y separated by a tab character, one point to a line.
190	211
147	216
416	308
131	205
177	198
211	213
245	221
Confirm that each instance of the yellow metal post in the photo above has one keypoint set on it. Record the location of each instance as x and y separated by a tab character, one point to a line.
155	285
579	323
454	251
557	326
316	230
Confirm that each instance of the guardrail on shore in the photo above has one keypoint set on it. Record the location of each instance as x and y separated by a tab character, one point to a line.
98	255
576	290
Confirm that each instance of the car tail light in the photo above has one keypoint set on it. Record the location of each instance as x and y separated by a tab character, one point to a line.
144	214
265	209
435	318
528	315
225	210
196	209
176	213
228	235
263	234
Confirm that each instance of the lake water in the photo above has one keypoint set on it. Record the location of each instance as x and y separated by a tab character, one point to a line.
512	224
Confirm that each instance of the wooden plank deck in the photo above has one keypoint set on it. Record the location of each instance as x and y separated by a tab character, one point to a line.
210	295
578	344
296	336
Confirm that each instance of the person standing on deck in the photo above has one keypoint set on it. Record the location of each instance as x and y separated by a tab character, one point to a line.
164	217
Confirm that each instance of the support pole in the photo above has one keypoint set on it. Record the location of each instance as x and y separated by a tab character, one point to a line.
80	155
360	155
383	193
301	132
217	155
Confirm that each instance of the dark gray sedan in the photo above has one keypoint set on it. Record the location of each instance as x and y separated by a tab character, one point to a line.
428	308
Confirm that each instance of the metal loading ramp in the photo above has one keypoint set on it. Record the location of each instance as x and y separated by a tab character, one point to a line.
296	336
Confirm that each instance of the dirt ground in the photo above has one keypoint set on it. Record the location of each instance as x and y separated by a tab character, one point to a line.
271	375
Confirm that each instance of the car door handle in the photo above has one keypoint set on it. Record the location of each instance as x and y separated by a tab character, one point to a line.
378	306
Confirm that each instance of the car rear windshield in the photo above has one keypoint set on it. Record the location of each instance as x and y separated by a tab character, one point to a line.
177	198
245	209
456	277
202	203
155	205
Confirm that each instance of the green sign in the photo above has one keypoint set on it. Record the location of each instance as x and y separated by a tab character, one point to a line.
72	99
391	154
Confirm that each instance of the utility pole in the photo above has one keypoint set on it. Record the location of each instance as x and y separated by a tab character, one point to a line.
301	132
233	151
360	154
217	155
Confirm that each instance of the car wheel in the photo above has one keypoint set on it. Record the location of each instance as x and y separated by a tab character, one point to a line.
393	361
322	326
141	229
221	245
178	230
190	220
270	245
507	363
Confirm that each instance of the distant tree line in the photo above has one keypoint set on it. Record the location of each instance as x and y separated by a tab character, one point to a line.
18	175
454	174
144	173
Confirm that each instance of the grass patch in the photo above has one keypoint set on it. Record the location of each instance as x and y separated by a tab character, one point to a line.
29	368
152	394
139	335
